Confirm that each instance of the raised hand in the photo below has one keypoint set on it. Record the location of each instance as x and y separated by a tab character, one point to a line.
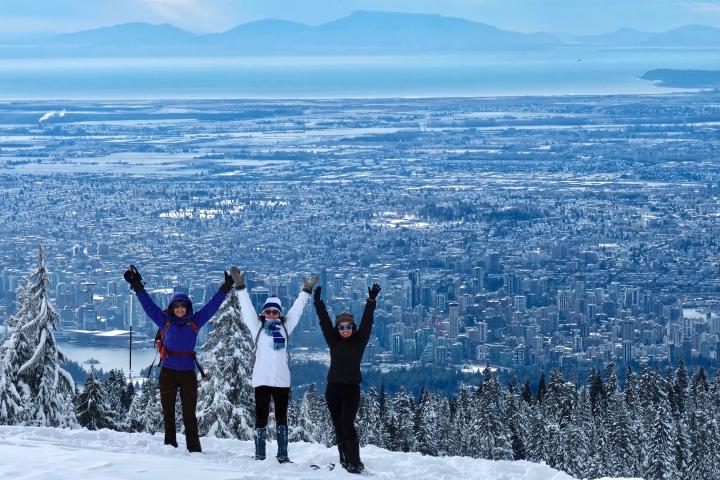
316	296
133	277
373	291
238	276
228	283
309	284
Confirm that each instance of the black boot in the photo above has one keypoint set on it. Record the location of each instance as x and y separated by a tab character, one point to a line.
260	443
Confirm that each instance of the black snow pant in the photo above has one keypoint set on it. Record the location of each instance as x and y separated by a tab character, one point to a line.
186	381
280	397
343	401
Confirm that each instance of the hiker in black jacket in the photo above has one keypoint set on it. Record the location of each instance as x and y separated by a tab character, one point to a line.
347	344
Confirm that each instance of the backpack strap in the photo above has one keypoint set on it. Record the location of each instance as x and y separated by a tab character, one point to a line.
164	352
257	337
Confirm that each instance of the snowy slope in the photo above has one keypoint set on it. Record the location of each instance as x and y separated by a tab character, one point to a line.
48	453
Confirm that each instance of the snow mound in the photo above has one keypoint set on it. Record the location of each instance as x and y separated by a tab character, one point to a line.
30	453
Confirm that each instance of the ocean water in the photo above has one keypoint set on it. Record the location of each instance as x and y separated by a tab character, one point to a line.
567	71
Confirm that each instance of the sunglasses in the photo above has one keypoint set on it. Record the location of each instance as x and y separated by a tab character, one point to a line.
344	327
271	311
179	305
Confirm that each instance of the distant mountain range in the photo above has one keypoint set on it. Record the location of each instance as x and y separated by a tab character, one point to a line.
360	33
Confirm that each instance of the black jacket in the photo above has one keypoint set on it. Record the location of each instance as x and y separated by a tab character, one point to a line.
346	353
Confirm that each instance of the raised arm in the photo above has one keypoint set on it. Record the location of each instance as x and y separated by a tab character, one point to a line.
209	309
325	323
151	310
247	311
296	311
133	277
368	317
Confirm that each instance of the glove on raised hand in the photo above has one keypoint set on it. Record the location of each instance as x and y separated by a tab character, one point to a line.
133	277
238	277
373	291
228	283
308	284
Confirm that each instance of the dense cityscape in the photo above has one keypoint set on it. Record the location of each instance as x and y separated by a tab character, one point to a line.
524	234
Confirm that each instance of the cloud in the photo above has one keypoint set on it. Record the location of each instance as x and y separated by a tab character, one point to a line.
178	10
705	7
51	114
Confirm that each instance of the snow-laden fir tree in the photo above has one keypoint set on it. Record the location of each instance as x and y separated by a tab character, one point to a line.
145	413
426	424
93	410
30	360
491	438
226	398
368	418
461	436
314	419
404	420
661	452
114	386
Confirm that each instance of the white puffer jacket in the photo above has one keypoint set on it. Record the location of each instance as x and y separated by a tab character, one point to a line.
271	366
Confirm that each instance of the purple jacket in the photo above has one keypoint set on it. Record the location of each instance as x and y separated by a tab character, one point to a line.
180	336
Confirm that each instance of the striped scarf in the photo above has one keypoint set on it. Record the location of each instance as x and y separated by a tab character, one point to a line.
273	329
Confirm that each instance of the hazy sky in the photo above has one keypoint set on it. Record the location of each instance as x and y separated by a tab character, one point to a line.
21	17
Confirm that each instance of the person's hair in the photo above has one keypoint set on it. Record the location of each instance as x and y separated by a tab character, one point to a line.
344	317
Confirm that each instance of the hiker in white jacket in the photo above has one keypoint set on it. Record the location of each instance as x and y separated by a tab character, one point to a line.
271	371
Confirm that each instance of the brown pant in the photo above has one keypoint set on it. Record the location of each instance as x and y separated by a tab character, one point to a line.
186	381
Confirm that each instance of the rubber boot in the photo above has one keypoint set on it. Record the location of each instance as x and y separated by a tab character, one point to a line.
282	441
260	443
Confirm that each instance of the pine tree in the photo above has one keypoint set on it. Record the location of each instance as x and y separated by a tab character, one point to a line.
404	418
93	410
114	386
527	392
491	434
680	384
127	396
461	436
314	423
31	360
384	426
576	455
426	421
368	418
661	454
226	397
145	413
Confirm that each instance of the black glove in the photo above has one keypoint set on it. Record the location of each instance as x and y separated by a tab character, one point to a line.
228	283
316	296
133	277
373	291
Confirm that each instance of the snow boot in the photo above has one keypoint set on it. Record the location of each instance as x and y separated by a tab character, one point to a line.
260	443
282	441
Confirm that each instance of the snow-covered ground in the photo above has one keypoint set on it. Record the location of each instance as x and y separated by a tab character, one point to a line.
48	453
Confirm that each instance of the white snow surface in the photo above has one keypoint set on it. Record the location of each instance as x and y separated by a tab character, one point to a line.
53	453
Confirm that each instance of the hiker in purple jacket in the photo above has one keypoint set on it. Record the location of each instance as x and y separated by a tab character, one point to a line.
178	325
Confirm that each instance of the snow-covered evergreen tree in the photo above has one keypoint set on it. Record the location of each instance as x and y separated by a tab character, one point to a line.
31	360
368	418
114	386
314	423
491	433
145	413
226	398
93	410
404	420
426	424
661	453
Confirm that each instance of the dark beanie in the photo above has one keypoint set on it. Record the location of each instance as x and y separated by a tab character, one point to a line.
344	317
